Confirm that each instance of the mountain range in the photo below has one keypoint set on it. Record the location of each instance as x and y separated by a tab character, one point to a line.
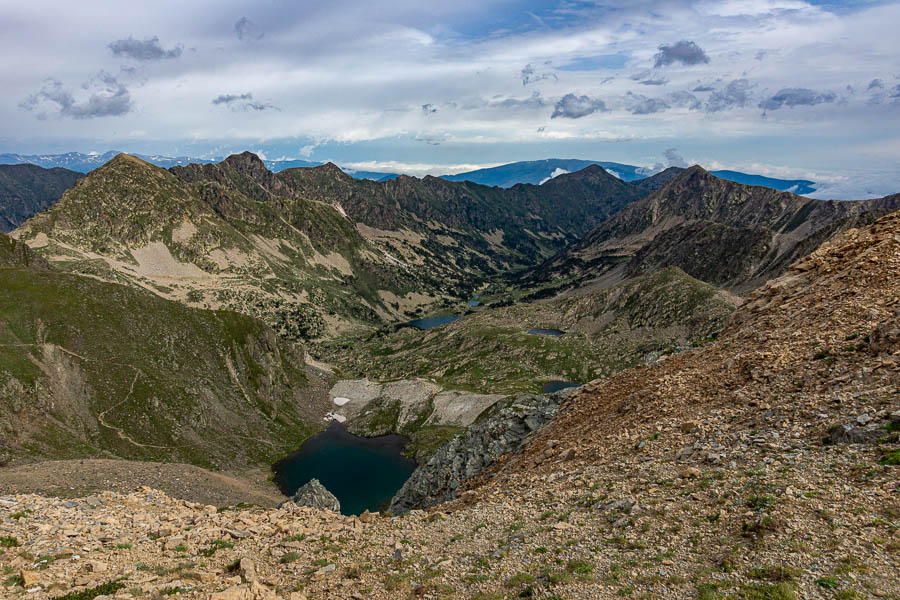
505	176
311	250
726	233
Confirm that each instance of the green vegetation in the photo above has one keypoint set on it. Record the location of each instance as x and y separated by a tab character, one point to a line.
107	589
159	381
490	351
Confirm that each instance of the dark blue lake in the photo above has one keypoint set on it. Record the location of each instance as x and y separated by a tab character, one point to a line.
556	386
552	332
364	473
432	322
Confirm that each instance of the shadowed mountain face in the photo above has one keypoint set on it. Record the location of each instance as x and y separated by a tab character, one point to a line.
718	231
89	367
311	250
26	190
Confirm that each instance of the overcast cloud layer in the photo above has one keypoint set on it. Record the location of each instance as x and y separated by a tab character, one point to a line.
777	87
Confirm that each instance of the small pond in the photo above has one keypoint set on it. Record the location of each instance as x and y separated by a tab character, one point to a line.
556	386
364	473
551	332
432	322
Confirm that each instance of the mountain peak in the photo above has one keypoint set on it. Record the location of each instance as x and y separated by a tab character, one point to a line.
125	160
246	160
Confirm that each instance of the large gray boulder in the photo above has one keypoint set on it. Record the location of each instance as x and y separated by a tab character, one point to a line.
315	495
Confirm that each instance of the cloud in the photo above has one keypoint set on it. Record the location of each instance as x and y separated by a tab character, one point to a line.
704	88
792	97
307	150
895	92
429	109
735	95
247	31
229	98
684	52
242	102
535	101
149	49
683	100
642	105
556	173
108	98
529	75
674	159
876	84
575	107
647	78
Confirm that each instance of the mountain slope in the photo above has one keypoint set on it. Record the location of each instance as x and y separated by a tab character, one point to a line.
311	251
26	190
491	351
696	218
701	476
91	368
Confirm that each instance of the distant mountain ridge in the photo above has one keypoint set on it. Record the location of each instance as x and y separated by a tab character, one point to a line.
718	231
505	176
538	171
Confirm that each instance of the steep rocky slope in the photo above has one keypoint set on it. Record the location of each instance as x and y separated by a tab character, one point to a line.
491	351
89	368
718	231
310	250
702	476
26	190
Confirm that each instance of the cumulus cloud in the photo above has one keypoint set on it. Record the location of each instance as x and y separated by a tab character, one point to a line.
149	49
876	84
247	31
684	52
575	107
674	159
530	75
638	104
704	88
107	98
792	97
683	99
242	102
735	95
429	109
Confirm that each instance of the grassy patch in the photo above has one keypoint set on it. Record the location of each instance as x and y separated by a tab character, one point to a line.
107	589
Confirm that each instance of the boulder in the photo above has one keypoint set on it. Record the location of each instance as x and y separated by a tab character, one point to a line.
315	495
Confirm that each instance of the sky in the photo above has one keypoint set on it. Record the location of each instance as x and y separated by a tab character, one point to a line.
784	88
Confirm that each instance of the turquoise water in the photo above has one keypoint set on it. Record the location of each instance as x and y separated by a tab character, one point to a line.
431	322
553	332
555	386
364	473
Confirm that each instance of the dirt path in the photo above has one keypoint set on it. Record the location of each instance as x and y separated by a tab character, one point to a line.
76	478
100	417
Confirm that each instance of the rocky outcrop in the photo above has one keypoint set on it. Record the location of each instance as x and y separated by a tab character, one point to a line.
502	431
315	495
